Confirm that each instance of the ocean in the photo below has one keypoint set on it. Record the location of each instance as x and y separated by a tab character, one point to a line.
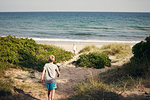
96	26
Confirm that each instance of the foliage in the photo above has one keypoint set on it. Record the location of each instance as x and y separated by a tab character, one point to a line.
4	66
119	50
119	79
89	49
45	50
17	51
5	88
94	90
26	52
140	62
141	50
96	60
134	74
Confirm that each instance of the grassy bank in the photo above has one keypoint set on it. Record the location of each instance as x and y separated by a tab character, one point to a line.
27	53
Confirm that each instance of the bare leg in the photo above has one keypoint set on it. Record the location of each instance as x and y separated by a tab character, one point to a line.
49	94
52	94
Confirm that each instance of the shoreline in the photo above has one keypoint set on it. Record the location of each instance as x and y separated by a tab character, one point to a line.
82	41
67	44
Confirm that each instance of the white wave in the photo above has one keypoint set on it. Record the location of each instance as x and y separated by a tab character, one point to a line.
83	41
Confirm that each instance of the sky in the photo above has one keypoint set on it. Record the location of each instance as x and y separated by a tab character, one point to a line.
75	5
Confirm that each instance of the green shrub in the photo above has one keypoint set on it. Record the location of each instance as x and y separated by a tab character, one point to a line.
141	50
96	60
18	50
45	50
141	57
27	53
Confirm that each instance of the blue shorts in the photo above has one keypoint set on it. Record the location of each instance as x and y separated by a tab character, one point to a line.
51	85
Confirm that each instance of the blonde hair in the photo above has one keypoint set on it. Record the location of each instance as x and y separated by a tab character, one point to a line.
51	58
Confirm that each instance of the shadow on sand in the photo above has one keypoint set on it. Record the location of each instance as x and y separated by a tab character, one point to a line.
20	95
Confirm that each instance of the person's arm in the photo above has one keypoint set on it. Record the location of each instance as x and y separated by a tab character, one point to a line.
58	73
43	74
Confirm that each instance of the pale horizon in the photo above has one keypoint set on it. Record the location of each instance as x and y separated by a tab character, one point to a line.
75	6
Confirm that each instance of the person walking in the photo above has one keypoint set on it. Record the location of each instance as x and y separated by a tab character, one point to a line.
74	49
49	71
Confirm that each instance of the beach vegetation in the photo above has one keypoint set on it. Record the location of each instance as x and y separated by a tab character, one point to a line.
4	66
118	50
94	90
96	60
6	88
131	75
139	64
27	53
89	48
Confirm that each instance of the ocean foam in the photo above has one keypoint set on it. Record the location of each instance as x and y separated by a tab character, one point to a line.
82	41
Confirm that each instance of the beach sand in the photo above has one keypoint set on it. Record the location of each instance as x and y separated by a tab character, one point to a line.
68	45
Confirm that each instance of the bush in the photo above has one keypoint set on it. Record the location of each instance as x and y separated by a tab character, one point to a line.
141	56
45	50
141	50
27	53
96	60
18	50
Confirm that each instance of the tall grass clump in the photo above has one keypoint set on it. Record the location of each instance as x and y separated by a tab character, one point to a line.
4	66
27	53
89	48
94	90
119	50
6	88
96	60
119	79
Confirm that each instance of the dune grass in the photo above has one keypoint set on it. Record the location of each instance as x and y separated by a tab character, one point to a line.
89	48
133	74
109	85
117	51
94	90
6	87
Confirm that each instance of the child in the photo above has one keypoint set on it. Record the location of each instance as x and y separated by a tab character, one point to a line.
49	72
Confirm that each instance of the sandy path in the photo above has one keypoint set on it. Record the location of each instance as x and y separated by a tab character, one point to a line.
30	81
